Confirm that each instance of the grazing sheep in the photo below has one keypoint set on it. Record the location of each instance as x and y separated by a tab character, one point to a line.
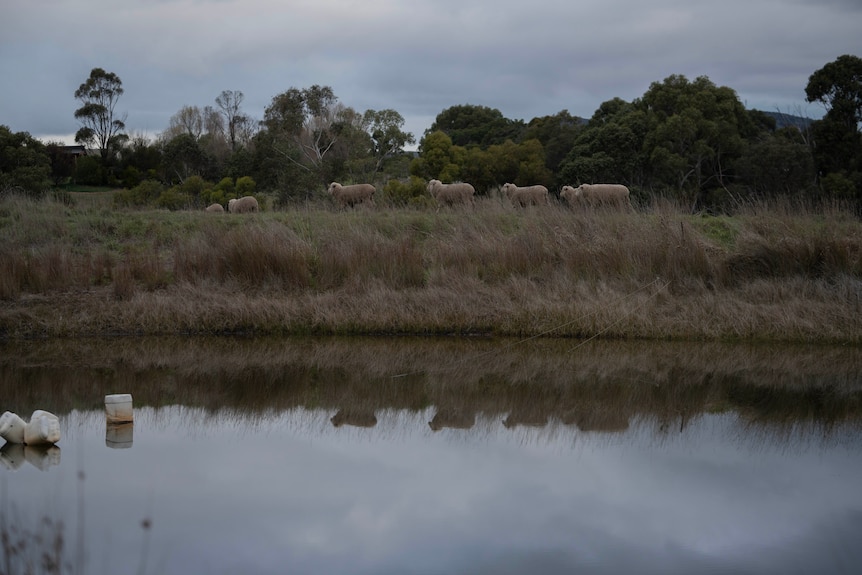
352	195
526	196
451	194
243	205
597	195
215	208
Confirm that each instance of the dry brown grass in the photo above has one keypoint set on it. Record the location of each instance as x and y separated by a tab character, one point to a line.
763	274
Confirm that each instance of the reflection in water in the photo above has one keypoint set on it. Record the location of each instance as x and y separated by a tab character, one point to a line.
453	419
354	417
42	457
599	387
264	492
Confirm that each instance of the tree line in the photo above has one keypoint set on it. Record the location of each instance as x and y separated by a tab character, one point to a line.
690	140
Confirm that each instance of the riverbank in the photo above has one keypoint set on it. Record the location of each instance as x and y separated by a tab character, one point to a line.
771	274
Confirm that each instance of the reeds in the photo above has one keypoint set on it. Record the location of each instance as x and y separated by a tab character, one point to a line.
769	272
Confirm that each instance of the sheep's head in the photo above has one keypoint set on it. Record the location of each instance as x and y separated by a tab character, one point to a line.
333	186
507	188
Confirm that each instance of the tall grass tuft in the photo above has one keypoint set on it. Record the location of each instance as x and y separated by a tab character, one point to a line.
251	256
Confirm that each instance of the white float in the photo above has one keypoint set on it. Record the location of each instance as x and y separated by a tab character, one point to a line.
43	428
12	427
118	408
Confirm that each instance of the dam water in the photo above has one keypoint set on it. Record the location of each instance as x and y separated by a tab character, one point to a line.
434	456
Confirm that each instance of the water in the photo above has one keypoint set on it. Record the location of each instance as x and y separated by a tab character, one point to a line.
647	458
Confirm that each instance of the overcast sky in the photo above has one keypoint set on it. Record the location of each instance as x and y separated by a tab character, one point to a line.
418	57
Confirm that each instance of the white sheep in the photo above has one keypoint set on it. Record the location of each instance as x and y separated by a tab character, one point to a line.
243	205
451	194
353	194
526	195
597	195
217	208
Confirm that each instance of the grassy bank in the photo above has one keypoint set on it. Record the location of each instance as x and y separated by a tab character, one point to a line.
768	273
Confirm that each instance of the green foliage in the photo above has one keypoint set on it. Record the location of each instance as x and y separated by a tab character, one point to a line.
837	138
183	157
777	164
469	125
609	148
145	193
24	163
557	135
174	198
398	193
245	186
837	185
89	171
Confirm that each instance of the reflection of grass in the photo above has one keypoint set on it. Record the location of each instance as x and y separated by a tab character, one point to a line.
33	550
597	386
42	549
765	273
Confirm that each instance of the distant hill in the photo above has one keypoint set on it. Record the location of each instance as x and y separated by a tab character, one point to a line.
783	120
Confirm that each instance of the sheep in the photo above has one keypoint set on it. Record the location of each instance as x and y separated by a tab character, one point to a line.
243	205
352	195
597	195
527	195
451	194
215	208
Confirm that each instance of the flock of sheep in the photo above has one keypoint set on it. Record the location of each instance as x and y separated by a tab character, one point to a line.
462	193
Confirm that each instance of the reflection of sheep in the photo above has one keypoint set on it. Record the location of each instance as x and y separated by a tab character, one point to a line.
527	195
597	195
527	419
352	195
354	418
451	194
452	419
243	205
215	208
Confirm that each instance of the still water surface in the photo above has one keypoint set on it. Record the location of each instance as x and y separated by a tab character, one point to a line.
310	457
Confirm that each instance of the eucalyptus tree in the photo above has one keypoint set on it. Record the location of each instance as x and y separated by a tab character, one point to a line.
476	125
387	136
101	125
837	138
609	148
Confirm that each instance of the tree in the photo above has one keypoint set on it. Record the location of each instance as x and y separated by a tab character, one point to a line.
183	158
609	148
838	86
305	125
557	134
837	138
476	125
100	126
387	138
695	133
239	125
